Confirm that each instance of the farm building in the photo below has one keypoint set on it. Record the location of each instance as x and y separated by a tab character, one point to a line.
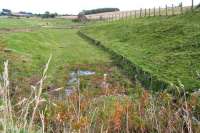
22	14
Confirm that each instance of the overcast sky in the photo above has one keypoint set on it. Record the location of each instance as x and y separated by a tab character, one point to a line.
75	6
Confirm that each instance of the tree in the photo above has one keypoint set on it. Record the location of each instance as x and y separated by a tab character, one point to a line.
6	12
100	10
49	15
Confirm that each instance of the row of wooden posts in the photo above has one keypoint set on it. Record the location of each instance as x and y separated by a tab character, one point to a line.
143	13
147	12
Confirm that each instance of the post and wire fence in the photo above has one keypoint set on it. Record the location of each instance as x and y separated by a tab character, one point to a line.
167	10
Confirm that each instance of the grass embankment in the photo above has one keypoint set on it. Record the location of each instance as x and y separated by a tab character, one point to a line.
166	47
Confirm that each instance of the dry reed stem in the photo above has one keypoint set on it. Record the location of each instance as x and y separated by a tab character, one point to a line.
37	97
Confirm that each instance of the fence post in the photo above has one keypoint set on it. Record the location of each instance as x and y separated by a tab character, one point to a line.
181	8
159	11
131	14
145	12
154	11
192	5
166	10
149	12
140	12
135	14
172	9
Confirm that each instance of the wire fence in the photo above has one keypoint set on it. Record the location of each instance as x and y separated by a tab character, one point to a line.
146	12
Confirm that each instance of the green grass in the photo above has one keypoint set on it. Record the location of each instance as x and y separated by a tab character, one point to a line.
29	51
32	22
167	47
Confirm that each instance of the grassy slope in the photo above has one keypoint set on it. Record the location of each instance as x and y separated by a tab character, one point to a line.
168	47
31	50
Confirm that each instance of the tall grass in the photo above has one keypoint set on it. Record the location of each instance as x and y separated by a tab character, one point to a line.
102	112
9	120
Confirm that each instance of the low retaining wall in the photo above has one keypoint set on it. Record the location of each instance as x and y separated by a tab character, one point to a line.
148	80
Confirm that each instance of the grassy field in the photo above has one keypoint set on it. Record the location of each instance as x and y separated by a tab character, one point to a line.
106	101
28	52
32	22
167	47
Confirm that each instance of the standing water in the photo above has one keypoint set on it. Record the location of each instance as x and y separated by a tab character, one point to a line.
73	80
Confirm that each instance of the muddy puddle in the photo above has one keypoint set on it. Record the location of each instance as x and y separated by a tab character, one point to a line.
74	79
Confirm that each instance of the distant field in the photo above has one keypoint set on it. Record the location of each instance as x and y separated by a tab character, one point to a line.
32	22
167	47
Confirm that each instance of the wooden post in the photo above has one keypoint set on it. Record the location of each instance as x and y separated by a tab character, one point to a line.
173	9
124	15
140	12
149	12
154	11
181	8
135	13
166	10
131	14
192	4
159	11
145	12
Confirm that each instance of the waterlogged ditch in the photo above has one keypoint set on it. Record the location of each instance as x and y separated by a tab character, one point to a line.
94	80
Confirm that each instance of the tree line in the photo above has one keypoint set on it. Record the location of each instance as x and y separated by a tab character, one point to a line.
100	10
